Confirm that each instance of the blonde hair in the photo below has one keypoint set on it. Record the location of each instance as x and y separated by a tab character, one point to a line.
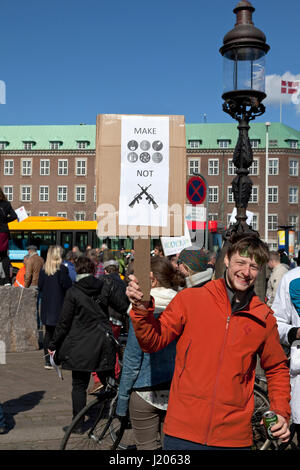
53	260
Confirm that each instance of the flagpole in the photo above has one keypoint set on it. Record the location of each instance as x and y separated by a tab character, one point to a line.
280	109
280	115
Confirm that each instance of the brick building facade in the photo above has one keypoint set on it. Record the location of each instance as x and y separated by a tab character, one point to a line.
50	170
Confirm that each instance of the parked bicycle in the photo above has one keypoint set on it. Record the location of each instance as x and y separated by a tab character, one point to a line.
102	429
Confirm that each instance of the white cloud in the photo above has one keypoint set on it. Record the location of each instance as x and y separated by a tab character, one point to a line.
273	90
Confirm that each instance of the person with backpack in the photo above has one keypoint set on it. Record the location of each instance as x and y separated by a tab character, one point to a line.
83	341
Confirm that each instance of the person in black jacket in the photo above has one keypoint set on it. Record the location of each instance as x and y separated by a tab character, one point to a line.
79	337
54	280
7	214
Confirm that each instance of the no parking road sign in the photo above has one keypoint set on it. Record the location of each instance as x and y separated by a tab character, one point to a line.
196	190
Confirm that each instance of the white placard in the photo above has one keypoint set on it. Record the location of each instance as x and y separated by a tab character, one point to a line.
195	213
144	185
248	214
174	245
21	213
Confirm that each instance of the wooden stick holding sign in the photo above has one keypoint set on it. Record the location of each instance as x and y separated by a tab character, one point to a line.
142	265
141	182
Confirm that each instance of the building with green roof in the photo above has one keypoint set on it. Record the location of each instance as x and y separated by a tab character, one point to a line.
50	170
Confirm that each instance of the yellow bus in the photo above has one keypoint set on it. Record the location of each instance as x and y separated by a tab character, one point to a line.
45	231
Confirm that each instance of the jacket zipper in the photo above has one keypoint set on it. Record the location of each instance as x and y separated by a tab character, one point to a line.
217	376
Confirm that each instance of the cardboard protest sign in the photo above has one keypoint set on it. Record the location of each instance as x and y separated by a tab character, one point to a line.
140	177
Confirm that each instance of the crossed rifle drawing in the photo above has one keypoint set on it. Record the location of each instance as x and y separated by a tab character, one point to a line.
138	197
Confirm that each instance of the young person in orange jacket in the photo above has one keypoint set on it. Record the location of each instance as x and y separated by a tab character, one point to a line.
221	328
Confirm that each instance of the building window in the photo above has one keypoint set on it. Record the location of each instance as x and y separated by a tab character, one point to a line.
223	144
273	166
9	192
62	214
62	193
254	168
273	143
194	144
230	197
28	145
55	145
293	195
213	216
62	167
26	167
254	143
213	194
213	166
254	195
293	144
82	144
43	214
8	167
44	167
80	167
3	145
273	194
293	220
25	193
272	221
44	193
80	193
79	215
293	168
194	165
254	222
231	168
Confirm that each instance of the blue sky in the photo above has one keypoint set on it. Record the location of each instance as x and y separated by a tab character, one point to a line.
65	61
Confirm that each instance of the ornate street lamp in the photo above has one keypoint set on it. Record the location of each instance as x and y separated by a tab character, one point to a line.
244	50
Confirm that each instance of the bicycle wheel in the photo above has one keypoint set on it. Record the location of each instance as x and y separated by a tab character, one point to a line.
96	424
261	404
120	430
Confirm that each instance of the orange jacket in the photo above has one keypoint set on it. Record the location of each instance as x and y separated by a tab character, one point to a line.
20	282
211	397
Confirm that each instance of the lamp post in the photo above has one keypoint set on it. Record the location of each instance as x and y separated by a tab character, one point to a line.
267	182
244	49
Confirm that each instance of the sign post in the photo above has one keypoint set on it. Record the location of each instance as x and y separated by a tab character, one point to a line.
140	182
196	192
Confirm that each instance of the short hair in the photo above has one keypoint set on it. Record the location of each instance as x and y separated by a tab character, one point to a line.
84	265
274	256
250	246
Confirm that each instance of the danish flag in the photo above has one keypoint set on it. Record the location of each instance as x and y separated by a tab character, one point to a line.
289	87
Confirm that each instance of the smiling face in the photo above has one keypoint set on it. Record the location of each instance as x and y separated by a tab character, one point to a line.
241	271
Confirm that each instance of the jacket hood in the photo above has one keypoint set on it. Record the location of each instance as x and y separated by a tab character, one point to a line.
256	308
89	285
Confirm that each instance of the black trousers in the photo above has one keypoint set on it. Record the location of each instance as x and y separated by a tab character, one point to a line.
49	332
80	382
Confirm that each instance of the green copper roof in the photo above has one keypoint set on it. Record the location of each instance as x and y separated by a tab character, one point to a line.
68	136
210	134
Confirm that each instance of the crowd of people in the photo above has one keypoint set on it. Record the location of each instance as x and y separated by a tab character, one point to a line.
190	358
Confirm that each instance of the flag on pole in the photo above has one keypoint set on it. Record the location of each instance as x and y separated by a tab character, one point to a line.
288	87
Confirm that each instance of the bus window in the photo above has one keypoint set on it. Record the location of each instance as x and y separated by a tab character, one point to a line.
66	240
81	240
